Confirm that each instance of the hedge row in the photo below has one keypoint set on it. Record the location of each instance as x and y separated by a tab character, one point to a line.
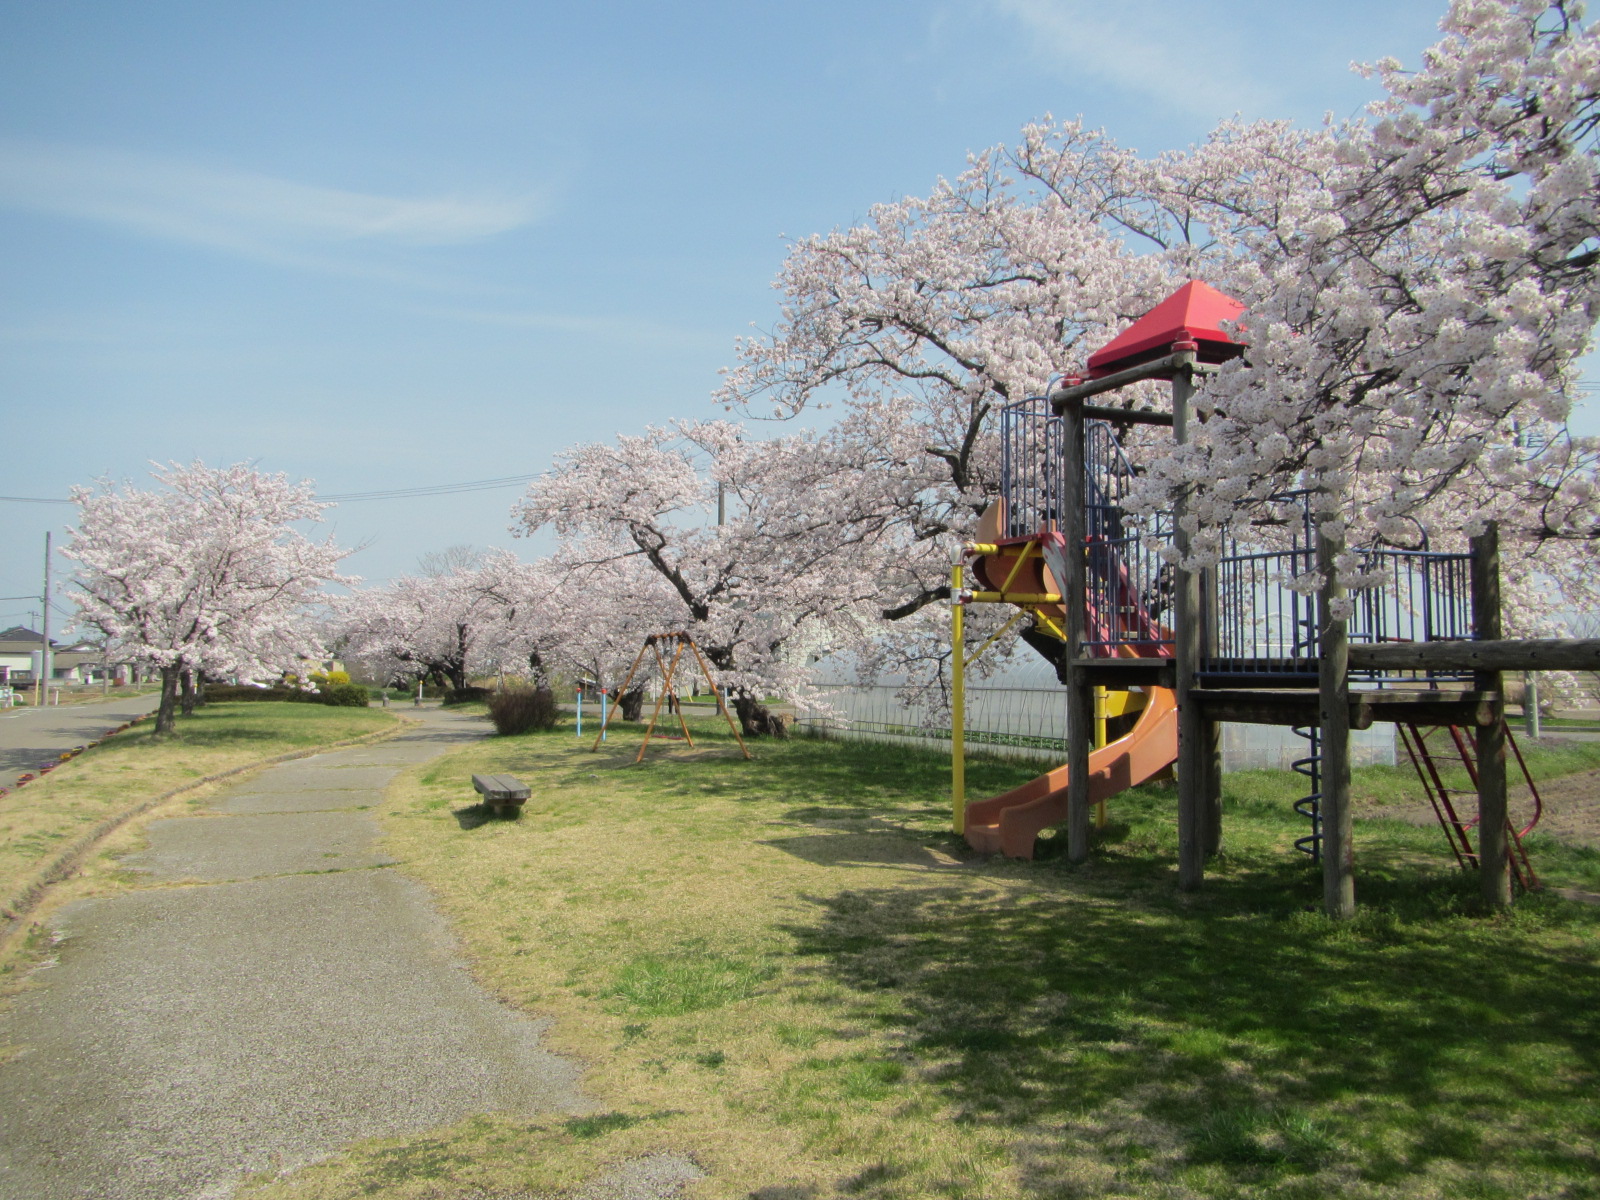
344	695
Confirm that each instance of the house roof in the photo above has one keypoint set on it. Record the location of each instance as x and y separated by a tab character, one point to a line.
1194	312
19	639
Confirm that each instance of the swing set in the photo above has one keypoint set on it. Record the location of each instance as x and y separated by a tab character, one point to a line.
667	664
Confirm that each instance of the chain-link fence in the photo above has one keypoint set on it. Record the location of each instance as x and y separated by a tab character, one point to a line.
1022	713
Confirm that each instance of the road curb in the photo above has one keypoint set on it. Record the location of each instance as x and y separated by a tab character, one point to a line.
17	911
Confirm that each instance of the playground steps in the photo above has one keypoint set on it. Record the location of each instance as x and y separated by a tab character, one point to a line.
1436	749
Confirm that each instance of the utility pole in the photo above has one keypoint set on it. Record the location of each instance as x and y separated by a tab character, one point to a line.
42	684
722	510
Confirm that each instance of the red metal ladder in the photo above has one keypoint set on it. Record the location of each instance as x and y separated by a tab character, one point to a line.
1433	759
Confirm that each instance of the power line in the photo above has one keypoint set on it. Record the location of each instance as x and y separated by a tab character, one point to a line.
437	489
440	489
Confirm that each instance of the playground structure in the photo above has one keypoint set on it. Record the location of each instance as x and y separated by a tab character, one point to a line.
667	666
1180	652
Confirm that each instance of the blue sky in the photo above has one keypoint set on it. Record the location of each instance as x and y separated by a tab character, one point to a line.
381	245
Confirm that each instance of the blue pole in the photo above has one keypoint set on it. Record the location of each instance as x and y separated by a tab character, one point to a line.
602	714
580	712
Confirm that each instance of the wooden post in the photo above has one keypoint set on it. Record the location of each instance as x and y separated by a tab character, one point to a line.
621	692
1494	865
1211	819
1074	601
655	712
45	671
1194	773
1333	692
958	702
717	691
1211	731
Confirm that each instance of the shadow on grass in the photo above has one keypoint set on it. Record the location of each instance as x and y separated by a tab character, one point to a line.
475	815
803	774
1261	1039
225	724
883	847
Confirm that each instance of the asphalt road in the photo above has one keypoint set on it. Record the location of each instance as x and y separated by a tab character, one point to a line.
274	991
31	736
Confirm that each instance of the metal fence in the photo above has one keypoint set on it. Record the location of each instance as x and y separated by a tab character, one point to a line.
1026	718
1263	626
1028	722
1130	584
1031	457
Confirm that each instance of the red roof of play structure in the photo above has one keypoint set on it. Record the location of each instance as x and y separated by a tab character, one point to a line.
1194	312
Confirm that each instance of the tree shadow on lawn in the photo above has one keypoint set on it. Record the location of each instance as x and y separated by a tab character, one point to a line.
878	845
1410	1036
798	774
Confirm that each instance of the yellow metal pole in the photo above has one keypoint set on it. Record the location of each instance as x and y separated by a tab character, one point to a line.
1099	742
995	637
958	703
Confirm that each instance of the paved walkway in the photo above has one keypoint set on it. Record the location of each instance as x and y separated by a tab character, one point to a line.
31	736
273	993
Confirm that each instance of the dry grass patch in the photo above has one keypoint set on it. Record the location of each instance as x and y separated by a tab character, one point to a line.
787	970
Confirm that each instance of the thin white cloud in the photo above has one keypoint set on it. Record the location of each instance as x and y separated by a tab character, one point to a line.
1164	52
257	215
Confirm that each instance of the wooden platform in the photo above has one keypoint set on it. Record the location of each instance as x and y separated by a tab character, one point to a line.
1119	674
1296	707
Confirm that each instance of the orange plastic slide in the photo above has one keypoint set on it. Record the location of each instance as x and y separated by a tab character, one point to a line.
1011	821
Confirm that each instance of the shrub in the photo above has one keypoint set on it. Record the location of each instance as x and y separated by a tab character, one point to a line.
220	693
523	710
467	695
349	695
346	695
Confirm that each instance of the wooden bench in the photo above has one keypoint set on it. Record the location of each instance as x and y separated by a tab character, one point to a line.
503	794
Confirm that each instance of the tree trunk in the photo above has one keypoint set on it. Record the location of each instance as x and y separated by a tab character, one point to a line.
187	705
757	720
631	703
536	671
167	712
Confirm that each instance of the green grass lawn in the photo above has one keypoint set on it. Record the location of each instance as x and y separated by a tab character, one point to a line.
45	817
789	970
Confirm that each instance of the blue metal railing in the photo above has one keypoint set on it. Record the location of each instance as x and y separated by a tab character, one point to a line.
1260	626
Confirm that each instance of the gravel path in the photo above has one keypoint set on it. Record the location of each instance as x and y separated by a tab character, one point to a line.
273	992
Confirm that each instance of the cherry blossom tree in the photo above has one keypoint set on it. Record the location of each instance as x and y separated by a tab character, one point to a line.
207	573
793	568
468	614
1417	294
925	320
1418	284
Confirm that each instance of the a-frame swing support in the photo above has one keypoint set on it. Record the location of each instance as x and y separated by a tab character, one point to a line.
679	641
